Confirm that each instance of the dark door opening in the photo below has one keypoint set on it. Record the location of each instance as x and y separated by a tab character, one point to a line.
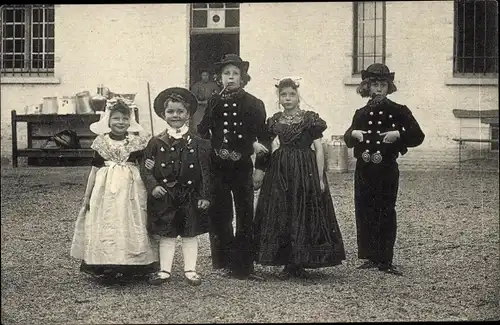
205	50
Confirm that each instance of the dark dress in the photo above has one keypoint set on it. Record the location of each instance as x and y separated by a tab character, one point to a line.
294	222
376	178
182	167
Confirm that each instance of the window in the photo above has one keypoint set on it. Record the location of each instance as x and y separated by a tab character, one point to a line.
476	37
494	136
215	15
27	40
369	34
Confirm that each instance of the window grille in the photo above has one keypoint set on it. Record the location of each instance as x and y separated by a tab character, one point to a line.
476	37
27	40
215	16
369	34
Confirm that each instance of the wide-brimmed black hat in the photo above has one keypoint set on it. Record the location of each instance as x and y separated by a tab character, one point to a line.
232	59
176	93
377	71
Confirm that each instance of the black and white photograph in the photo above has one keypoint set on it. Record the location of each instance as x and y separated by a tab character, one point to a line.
276	162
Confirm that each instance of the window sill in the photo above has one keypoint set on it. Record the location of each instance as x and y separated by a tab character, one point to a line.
353	80
29	80
470	81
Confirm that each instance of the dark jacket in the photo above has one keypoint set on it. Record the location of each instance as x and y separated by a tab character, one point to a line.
180	162
240	118
382	117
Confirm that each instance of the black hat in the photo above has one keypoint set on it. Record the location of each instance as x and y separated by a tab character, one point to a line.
232	59
377	71
177	93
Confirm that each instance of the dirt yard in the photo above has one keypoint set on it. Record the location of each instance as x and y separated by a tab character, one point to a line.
447	247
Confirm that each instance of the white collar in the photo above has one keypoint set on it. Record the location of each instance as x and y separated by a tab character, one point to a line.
177	133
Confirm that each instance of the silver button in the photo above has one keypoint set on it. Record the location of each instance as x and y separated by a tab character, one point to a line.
164	180
225	123
369	131
241	123
379	122
393	125
189	182
235	123
367	150
235	113
390	116
163	165
225	113
226	105
191	166
371	113
162	149
370	122
172	161
234	105
381	112
378	151
225	131
378	131
172	149
378	142
225	140
240	136
192	150
403	128
367	141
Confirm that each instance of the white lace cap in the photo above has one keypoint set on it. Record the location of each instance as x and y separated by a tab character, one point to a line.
102	126
296	79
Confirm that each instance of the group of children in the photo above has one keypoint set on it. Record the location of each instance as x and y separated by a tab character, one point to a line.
143	192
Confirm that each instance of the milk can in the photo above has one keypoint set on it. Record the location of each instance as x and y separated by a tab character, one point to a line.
336	154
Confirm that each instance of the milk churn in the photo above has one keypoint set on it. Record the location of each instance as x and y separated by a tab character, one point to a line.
336	154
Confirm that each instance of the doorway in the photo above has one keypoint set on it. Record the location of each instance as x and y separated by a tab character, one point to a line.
205	50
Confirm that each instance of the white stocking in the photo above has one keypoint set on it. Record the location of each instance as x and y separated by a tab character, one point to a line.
190	252
167	251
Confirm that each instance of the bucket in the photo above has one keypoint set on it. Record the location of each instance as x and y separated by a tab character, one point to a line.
336	155
83	105
67	105
50	105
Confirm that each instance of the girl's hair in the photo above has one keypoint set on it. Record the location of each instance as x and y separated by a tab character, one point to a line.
122	107
174	98
364	87
245	77
287	82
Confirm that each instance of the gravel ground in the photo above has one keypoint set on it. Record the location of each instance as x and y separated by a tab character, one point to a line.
447	247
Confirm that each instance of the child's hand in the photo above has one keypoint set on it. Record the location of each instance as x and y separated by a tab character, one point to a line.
259	148
322	185
149	164
358	134
390	136
258	177
203	204
159	191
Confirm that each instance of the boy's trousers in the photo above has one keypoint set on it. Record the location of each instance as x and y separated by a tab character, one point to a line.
229	250
376	190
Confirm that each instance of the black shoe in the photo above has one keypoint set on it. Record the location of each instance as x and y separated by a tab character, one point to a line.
156	279
301	273
368	265
390	269
247	276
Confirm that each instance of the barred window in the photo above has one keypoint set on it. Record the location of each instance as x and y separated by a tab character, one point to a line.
369	34
215	15
27	40
476	37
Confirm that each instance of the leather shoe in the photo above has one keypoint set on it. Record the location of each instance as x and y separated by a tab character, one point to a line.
390	269
368	265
